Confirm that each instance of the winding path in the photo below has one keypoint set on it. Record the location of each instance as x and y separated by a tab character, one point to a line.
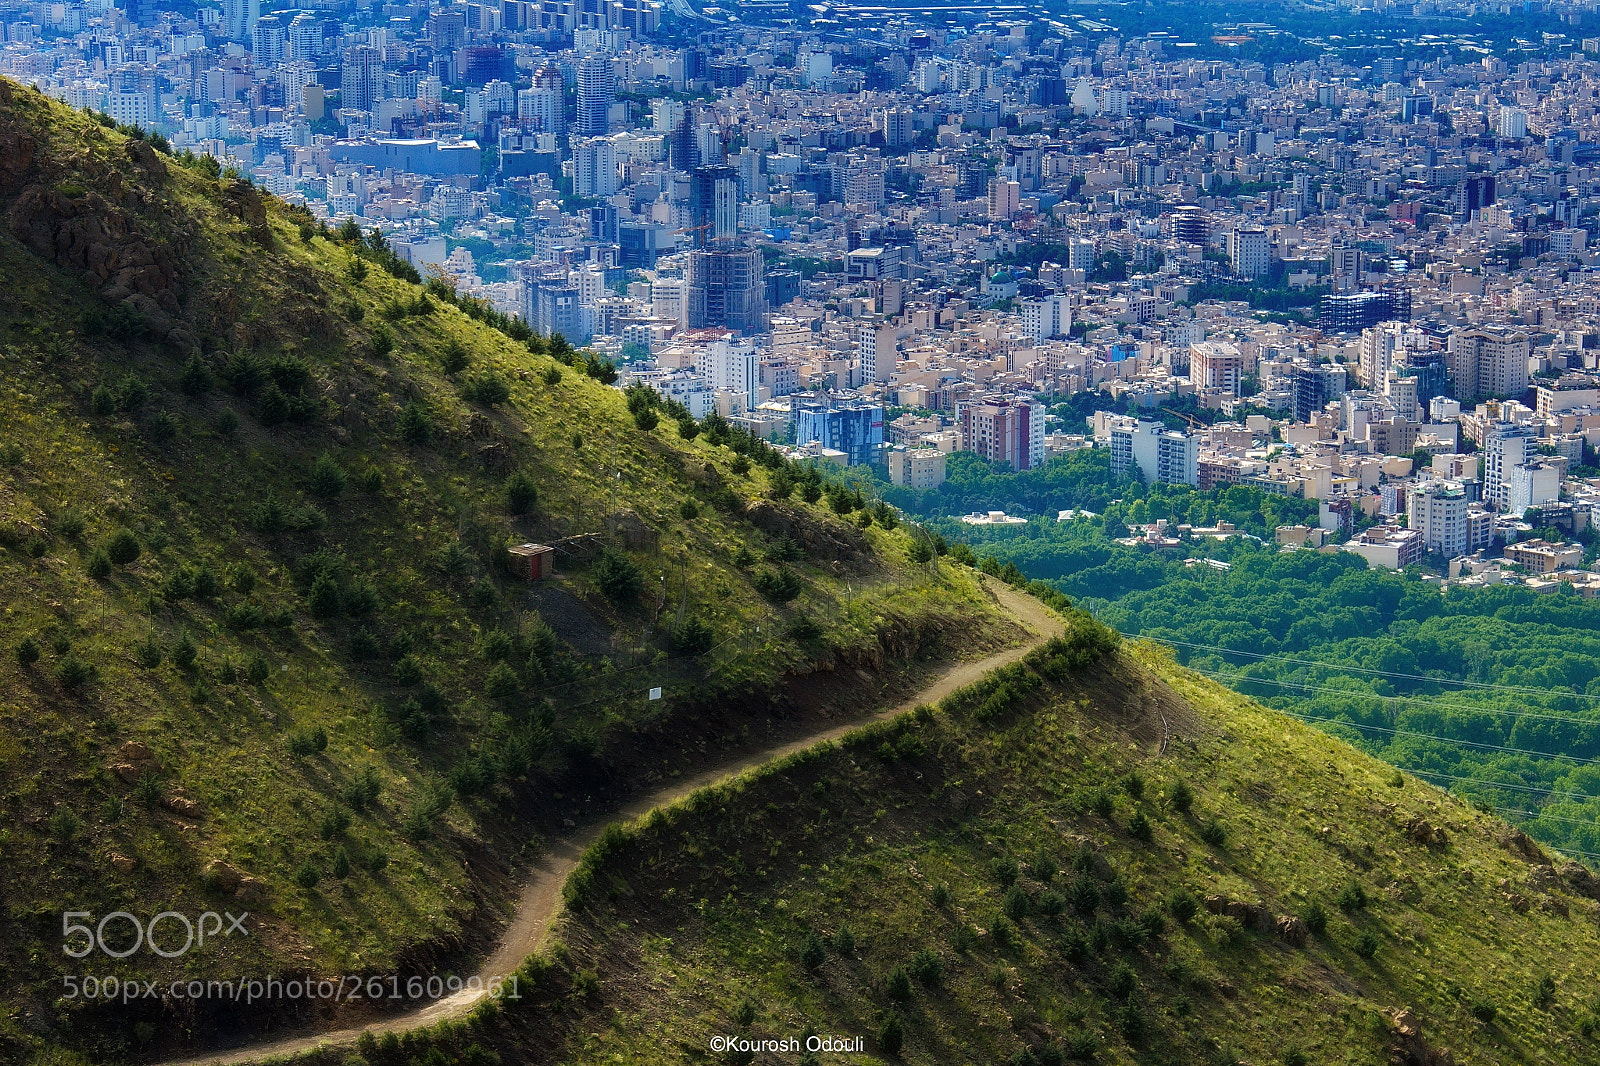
540	903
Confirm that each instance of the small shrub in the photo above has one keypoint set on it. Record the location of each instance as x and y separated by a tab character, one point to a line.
617	576
1052	903
123	548
1484	1010
65	823
73	672
1316	918
334	823
327	477
941	895
307	740
1122	982
454	359
256	671
812	953
1102	803
1081	1045
99	564
552	375
1367	944
1139	827
693	637
501	683
1544	992
688	511
646	419
521	494
1183	905
1084	895
415	424
898	984
1351	898
1133	784
777	583
341	866
1016	903
744	1015
1003	933
372	482
1182	798
308	875
891	1035
1004	870
28	651
844	942
926	968
1213	833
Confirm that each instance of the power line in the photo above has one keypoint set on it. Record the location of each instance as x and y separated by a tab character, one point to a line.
1445	740
1266	656
1429	702
1580	796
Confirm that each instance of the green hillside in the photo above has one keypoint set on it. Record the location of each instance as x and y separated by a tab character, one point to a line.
1080	859
263	643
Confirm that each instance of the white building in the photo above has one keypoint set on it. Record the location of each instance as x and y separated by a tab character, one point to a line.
1049	316
1438	510
594	168
1513	122
1248	251
731	366
1154	451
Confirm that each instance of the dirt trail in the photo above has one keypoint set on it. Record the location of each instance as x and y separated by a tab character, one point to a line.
540	903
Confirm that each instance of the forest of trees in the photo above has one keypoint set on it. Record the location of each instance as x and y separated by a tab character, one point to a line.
1493	692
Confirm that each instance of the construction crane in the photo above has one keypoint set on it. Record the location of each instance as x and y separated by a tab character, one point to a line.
1194	423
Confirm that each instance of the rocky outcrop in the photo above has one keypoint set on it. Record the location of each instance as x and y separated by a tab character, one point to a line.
819	540
1421	831
230	880
1408	1047
1259	917
99	241
1522	846
1579	878
1292	930
133	761
243	201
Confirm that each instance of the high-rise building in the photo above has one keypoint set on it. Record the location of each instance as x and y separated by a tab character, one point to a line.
541	109
596	88
1513	122
726	289
854	429
1189	224
878	346
1217	365
1344	265
731	366
1153	452
594	168
1046	317
1315	387
1004	430
899	127
1488	361
1005	197
1438	509
1383	349
1355	311
713	204
361	79
1473	193
1506	446
239	19
269	41
1248	251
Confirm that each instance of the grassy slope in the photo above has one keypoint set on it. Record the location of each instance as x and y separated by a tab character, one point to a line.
190	501
712	905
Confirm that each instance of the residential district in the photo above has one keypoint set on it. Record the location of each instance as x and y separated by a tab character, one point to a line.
1364	277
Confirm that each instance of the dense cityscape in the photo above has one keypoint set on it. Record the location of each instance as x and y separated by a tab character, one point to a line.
1369	285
